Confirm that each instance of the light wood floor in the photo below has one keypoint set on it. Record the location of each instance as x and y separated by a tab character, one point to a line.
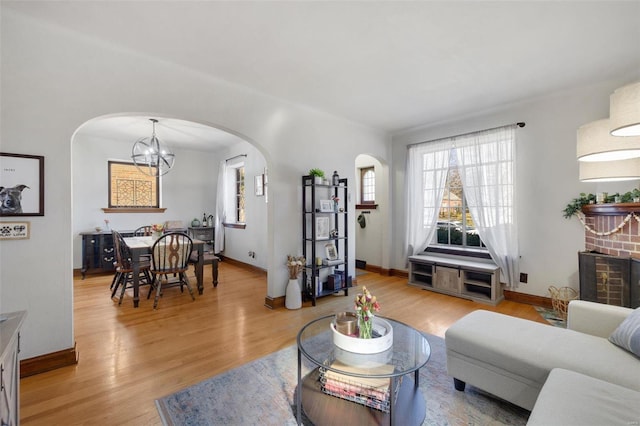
130	357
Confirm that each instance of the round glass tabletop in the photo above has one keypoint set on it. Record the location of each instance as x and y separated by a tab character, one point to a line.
410	351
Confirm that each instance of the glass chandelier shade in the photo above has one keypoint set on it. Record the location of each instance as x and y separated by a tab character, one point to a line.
610	171
595	143
624	110
151	156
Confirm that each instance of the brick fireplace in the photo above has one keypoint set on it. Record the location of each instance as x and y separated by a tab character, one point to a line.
610	265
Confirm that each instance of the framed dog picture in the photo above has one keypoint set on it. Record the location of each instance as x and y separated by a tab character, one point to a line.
21	185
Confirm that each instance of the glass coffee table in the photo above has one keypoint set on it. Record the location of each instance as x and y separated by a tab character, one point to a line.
402	401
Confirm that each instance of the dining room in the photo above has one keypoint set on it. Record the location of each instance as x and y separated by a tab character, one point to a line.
186	193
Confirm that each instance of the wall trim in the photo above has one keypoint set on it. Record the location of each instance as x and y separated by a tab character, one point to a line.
244	265
48	362
528	299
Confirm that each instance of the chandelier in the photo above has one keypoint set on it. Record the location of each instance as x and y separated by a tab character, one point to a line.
152	157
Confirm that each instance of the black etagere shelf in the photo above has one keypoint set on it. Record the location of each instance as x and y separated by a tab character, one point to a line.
321	280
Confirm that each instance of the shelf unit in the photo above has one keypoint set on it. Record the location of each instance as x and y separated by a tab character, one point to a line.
319	279
476	280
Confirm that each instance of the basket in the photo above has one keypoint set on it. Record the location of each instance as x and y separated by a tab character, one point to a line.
560	298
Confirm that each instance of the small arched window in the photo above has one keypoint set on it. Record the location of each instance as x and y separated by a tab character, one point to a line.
367	185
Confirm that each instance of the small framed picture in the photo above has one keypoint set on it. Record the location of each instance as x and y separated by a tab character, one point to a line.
322	227
14	230
258	181
21	185
331	252
326	206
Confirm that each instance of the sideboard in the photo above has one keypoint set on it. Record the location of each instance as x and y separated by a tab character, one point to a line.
10	325
98	253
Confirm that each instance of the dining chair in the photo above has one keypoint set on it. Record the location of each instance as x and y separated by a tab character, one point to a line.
170	256
143	231
124	268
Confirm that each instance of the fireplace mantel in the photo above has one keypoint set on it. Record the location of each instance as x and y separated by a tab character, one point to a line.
619	209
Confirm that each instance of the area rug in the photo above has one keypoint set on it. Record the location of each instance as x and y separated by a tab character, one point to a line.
262	393
551	316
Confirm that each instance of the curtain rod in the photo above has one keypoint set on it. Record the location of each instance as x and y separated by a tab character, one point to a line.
519	124
237	156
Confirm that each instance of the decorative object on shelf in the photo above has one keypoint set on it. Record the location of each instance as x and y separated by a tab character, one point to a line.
335	178
318	176
331	251
624	111
326	206
322	228
156	230
152	157
336	202
195	222
106	225
293	297
365	305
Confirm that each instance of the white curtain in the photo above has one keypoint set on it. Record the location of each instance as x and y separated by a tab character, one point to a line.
486	162
221	199
427	166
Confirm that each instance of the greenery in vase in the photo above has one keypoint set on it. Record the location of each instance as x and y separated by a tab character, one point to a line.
365	305
316	172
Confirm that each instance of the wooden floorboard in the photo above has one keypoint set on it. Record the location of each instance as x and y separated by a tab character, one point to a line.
130	357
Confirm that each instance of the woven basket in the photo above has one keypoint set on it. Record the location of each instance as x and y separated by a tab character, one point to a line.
560	298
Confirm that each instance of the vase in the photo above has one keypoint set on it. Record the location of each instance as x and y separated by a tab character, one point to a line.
293	298
155	235
365	325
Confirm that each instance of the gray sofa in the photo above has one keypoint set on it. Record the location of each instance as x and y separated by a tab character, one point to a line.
512	358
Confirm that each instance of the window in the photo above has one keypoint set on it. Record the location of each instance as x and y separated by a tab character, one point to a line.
367	185
455	225
130	188
239	194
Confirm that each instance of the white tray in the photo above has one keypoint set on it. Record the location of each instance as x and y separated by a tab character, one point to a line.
366	346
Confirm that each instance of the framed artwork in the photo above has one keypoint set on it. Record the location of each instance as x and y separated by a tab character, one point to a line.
258	181
330	251
14	230
326	206
322	227
21	185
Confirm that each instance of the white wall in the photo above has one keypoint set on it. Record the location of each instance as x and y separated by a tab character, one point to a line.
53	81
547	178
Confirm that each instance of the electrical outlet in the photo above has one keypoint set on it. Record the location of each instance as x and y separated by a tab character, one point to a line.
524	277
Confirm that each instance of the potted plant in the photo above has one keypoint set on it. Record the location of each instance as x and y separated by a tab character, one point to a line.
318	175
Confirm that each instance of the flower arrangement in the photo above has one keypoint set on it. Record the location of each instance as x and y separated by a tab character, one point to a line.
295	265
157	227
365	305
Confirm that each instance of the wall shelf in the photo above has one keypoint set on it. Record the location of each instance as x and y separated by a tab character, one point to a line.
611	209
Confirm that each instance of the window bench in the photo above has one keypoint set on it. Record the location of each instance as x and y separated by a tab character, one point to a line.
469	278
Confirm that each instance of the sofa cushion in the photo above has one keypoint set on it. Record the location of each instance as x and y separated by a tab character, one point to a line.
531	350
627	335
569	398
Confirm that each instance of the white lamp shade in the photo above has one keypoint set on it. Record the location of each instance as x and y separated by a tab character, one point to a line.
624	110
609	171
595	143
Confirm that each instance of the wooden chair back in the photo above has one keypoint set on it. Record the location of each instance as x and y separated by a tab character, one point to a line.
143	231
170	253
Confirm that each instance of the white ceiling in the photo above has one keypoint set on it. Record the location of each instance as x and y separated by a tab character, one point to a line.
390	65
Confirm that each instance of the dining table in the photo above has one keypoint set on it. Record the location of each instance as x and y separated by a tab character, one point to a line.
142	245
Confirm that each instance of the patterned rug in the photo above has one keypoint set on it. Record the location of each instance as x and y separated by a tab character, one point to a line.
551	316
262	393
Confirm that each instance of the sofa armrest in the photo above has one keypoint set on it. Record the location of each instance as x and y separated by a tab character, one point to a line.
594	318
